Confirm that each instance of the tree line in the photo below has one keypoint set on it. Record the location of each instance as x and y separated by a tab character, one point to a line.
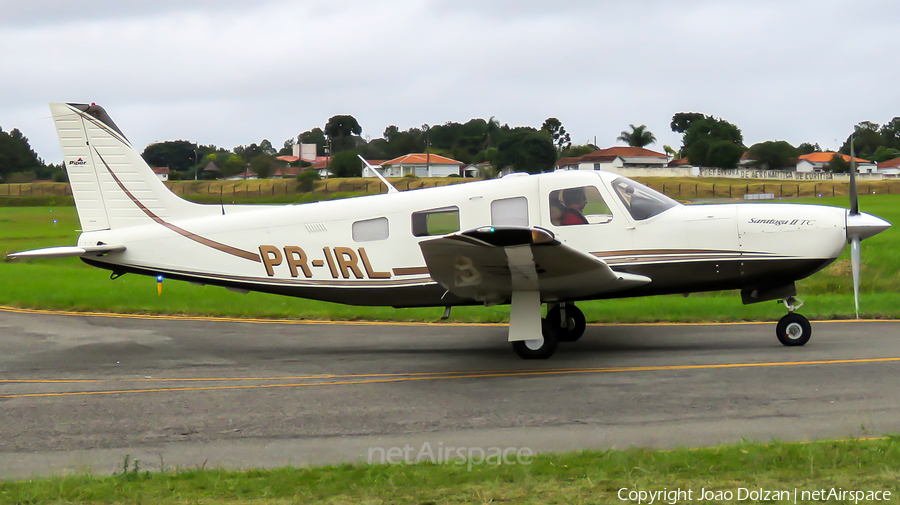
705	141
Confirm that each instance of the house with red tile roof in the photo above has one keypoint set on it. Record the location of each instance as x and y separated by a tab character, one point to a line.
816	162
615	158
680	162
890	168
162	173
286	172
418	164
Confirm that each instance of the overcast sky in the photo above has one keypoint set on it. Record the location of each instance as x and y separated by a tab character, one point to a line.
230	72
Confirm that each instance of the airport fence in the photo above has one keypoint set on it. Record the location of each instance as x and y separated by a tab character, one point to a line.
682	189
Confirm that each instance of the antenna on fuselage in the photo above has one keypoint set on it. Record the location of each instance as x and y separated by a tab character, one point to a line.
390	187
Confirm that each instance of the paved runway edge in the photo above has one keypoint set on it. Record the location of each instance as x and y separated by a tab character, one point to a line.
179	317
249	454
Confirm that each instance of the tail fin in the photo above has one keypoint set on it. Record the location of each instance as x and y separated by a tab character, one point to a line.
112	185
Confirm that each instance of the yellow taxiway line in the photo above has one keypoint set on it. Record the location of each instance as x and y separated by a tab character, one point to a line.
223	319
401	377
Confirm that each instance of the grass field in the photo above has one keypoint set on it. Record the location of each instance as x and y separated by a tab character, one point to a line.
69	284
587	477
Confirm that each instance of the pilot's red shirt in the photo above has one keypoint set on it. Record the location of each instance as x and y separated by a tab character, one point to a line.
573	217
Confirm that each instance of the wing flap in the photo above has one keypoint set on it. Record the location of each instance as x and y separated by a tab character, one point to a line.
488	264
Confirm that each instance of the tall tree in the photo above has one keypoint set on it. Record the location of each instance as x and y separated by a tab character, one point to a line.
175	154
493	133
526	150
838	164
774	154
808	148
558	135
16	154
263	165
681	121
867	138
340	130
639	136
345	164
709	141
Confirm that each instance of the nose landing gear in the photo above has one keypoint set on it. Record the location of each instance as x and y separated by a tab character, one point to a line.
793	329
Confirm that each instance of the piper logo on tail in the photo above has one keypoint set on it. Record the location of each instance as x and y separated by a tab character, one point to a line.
342	262
77	162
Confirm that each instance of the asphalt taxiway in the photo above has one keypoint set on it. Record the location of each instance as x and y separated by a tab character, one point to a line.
80	392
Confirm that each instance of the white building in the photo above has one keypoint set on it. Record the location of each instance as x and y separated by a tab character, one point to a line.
890	168
418	164
816	162
162	173
615	158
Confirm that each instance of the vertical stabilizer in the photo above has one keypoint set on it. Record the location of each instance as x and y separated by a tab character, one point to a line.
112	185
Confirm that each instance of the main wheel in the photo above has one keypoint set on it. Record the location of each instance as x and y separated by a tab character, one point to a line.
575	322
793	329
538	349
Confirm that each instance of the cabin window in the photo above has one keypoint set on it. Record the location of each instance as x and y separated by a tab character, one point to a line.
578	205
642	202
370	230
435	221
510	212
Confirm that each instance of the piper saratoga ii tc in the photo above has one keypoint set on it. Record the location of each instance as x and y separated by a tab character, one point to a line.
525	240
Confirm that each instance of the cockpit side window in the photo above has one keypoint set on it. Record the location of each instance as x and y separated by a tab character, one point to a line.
578	205
641	201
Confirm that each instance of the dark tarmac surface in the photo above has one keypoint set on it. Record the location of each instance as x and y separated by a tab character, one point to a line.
79	393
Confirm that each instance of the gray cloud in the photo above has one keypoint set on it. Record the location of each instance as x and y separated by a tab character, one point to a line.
227	73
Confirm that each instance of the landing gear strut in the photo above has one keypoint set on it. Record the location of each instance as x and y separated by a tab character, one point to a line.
793	329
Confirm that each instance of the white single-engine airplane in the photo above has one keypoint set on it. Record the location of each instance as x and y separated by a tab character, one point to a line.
555	238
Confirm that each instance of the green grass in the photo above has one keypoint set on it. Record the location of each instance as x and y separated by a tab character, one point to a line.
68	284
584	477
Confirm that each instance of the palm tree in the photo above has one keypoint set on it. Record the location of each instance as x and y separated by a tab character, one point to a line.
492	134
638	137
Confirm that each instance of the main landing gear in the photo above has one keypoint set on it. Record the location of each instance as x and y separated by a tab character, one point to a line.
564	323
793	329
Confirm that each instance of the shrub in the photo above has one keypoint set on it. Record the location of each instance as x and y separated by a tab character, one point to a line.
307	180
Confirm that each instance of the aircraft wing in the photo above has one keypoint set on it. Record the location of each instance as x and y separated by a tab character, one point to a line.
69	251
488	264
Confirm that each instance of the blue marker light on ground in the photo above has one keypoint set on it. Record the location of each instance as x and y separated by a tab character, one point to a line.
159	278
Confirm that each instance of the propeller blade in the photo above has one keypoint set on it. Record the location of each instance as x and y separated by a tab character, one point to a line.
854	265
854	195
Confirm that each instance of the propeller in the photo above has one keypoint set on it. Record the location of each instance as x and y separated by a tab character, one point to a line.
859	226
854	239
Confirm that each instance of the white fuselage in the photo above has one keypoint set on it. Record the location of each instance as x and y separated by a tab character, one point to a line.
366	251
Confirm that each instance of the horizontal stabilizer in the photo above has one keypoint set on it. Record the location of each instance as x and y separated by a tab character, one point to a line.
69	251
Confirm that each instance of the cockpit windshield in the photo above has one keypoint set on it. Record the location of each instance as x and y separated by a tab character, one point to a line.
642	202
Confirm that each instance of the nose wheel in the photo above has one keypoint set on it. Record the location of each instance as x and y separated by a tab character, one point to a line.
793	329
